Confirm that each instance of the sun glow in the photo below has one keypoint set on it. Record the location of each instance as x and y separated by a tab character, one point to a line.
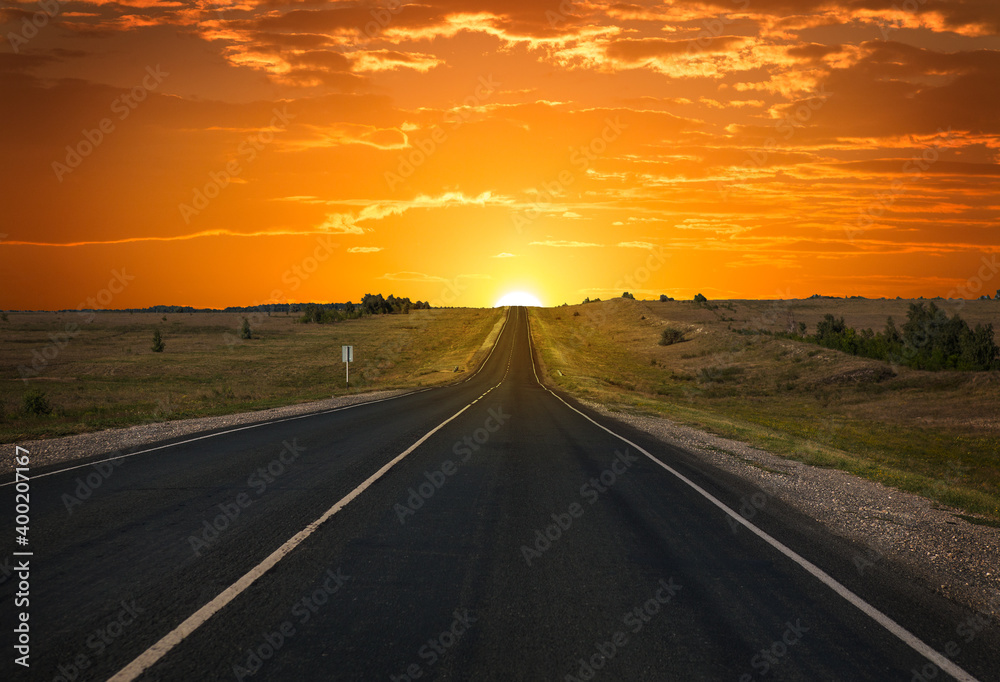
518	298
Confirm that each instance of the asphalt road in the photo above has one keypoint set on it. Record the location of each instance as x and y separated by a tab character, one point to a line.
489	530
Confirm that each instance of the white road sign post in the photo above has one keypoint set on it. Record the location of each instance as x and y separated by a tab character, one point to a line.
347	352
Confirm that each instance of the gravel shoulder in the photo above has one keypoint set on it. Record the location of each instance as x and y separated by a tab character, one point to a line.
69	448
958	559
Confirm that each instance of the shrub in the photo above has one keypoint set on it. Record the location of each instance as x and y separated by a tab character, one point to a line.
628	295
671	336
698	298
158	344
35	402
245	331
664	298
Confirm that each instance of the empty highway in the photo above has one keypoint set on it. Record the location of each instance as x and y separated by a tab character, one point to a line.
489	530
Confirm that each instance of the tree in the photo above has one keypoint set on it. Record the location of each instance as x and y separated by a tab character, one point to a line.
158	344
245	331
664	298
628	295
698	298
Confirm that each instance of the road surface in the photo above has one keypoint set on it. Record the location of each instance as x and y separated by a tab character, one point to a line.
490	530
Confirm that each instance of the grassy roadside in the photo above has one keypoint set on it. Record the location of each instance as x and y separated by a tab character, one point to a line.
936	434
105	375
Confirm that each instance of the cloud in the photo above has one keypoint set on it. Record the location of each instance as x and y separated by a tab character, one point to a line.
411	277
564	244
170	238
504	255
636	245
364	249
347	222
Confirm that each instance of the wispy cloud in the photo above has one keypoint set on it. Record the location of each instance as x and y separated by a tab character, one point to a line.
364	249
411	277
558	243
173	238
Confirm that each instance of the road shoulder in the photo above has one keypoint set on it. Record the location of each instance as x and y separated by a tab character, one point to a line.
958	559
51	451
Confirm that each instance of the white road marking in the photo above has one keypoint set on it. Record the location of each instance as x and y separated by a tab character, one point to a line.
259	424
154	653
885	621
219	433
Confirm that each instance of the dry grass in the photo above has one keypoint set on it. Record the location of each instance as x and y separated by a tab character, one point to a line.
105	374
934	433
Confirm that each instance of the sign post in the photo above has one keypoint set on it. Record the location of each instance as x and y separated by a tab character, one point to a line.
347	352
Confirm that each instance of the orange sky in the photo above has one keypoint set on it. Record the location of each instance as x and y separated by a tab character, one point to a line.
246	151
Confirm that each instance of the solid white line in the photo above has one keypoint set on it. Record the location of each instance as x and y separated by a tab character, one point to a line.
495	343
219	433
885	621
154	653
259	424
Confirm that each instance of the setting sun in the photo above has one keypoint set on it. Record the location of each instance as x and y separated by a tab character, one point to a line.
518	298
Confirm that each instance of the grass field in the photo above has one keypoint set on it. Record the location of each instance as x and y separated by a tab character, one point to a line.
933	433
104	374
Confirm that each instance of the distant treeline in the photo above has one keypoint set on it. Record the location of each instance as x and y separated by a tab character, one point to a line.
929	339
371	304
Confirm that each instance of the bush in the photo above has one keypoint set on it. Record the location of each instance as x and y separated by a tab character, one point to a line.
628	295
664	298
670	336
245	331
698	298
158	344
35	402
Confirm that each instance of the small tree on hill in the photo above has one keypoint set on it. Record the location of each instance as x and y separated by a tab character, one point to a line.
158	344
